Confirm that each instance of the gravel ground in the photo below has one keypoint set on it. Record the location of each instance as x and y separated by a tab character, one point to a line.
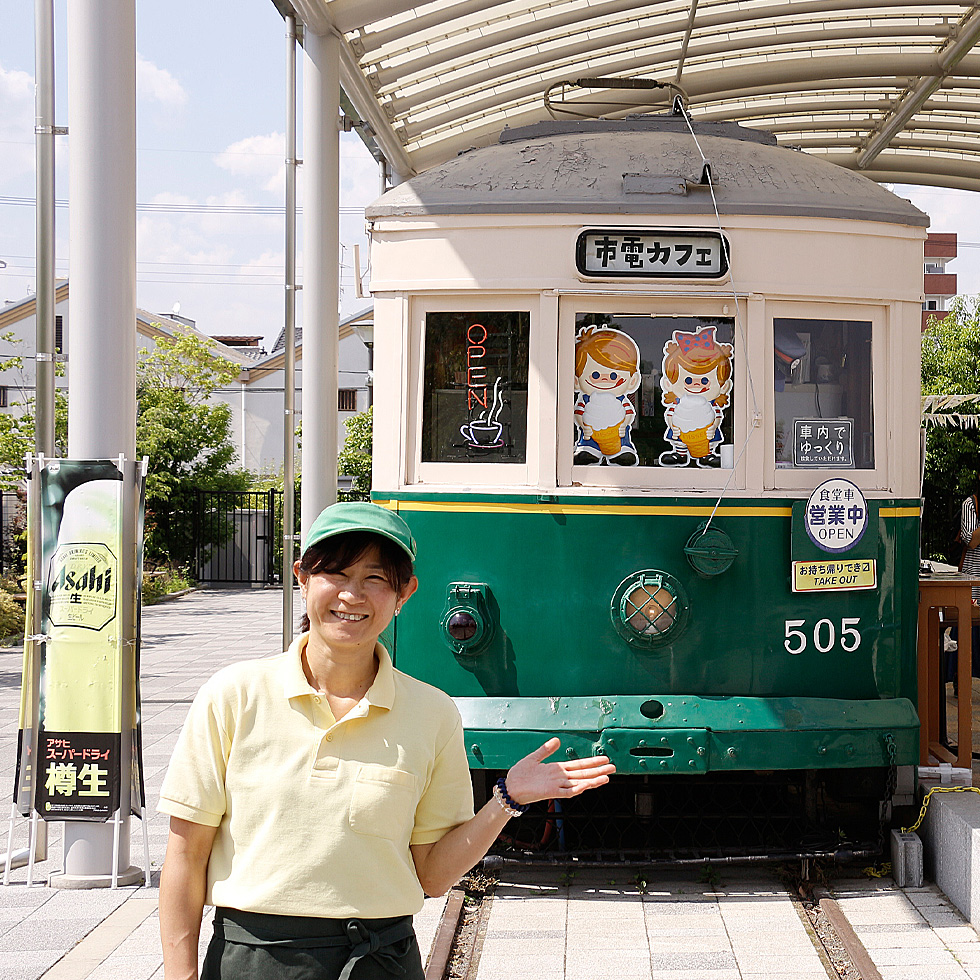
830	941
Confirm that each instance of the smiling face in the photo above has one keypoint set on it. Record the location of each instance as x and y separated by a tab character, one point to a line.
350	607
701	384
693	382
597	379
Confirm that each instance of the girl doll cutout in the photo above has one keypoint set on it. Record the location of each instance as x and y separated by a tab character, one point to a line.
697	376
607	369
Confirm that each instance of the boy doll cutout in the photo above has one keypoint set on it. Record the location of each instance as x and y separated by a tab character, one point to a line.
607	369
697	376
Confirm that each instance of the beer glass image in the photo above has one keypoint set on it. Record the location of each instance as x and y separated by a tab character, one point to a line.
82	663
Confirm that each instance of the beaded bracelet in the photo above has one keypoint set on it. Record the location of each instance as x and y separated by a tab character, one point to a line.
501	795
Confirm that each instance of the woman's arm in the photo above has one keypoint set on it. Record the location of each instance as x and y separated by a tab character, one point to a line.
440	865
183	882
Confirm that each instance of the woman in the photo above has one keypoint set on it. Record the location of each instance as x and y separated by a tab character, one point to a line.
970	538
316	795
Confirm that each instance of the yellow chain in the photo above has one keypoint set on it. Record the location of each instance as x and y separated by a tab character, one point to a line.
925	803
878	870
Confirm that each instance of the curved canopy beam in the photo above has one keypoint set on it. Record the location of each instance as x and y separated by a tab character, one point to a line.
888	87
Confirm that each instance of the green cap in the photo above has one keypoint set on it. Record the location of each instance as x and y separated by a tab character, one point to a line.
361	516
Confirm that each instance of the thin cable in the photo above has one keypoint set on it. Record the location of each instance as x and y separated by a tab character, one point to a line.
256	209
679	107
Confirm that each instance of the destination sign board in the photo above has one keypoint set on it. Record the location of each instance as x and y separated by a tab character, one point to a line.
652	253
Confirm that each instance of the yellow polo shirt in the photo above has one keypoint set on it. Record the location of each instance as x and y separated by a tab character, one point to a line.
315	816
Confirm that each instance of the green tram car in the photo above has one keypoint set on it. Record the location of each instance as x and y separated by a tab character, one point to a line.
646	391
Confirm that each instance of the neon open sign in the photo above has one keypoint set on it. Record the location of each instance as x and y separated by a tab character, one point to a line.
484	431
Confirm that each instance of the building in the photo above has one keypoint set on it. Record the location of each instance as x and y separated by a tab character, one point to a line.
938	285
255	398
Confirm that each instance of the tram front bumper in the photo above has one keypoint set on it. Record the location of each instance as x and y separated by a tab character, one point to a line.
670	734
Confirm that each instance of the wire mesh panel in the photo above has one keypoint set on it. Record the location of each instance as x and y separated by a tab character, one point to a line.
748	815
236	535
13	545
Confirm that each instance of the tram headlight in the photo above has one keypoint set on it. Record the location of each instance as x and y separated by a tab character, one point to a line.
467	625
649	608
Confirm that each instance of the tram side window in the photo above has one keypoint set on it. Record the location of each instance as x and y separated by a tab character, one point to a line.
823	390
653	390
474	400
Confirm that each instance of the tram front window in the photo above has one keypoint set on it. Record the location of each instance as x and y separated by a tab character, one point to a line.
654	390
474	399
823	400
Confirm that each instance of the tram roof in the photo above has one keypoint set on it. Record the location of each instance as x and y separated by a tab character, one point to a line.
643	165
889	88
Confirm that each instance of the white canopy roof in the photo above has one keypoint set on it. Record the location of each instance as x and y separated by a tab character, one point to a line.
890	88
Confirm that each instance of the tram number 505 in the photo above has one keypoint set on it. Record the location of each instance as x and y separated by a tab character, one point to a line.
825	635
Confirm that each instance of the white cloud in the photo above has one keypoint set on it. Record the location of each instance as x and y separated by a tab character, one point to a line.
258	158
16	124
158	85
952	211
360	176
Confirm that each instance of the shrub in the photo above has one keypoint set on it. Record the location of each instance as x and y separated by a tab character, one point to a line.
11	616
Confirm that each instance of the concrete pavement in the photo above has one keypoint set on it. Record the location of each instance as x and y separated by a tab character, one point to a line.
591	926
601	925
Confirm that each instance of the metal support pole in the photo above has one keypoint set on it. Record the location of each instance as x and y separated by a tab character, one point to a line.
44	363
44	134
370	374
102	308
321	268
289	373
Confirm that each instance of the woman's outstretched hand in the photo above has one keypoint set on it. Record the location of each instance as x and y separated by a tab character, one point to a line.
533	779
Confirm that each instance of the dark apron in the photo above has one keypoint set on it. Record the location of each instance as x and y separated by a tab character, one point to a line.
256	946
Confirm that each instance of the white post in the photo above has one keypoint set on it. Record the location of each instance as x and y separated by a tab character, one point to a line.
289	341
321	271
102	314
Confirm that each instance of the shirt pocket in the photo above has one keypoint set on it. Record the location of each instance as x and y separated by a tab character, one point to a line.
383	803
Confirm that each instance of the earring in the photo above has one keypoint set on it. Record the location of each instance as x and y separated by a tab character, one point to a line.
398	610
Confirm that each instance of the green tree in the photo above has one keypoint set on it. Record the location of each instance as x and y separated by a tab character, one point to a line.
185	435
355	457
951	400
187	439
17	427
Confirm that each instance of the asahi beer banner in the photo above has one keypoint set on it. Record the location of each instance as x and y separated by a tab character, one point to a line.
80	717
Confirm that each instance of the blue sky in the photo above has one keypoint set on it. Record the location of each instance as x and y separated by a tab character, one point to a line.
210	123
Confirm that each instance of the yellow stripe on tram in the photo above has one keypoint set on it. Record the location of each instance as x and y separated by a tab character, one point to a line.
659	510
502	507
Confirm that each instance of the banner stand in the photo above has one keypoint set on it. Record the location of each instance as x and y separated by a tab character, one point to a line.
14	859
30	864
27	742
116	824
146	846
80	745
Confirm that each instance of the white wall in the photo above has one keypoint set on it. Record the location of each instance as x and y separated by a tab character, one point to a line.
257	426
256	407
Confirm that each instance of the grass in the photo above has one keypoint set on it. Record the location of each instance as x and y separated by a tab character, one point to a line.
164	581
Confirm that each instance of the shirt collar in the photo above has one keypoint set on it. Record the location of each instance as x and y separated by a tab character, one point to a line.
381	693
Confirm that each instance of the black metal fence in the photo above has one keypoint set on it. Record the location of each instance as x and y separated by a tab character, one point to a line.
238	536
13	542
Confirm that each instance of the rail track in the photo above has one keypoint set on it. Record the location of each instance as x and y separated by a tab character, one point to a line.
461	936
